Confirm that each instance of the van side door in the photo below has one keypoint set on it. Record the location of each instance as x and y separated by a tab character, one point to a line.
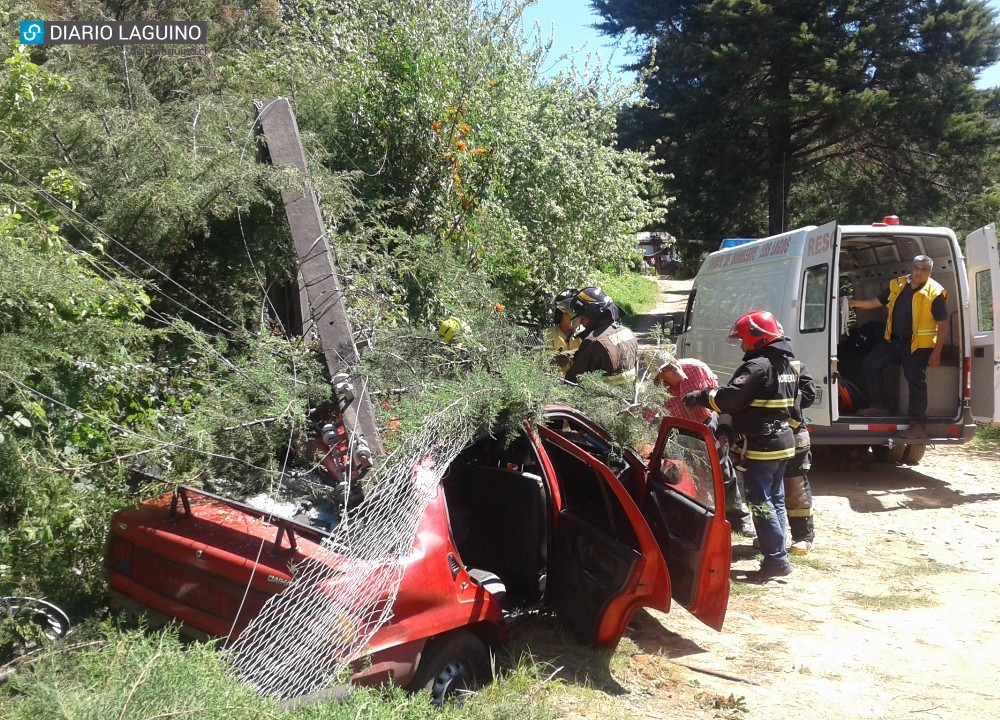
816	316
983	269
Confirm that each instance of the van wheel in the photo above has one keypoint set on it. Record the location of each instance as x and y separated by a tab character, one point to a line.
453	663
886	454
912	454
892	454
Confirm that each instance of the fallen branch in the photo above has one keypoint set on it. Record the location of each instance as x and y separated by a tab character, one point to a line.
716	673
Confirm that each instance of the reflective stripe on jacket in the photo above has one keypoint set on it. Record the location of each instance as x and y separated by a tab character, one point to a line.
760	397
924	324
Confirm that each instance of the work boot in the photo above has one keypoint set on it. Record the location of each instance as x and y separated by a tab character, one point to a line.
743	527
916	431
800	547
874	411
766	573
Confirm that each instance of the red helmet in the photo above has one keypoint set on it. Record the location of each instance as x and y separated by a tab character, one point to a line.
757	328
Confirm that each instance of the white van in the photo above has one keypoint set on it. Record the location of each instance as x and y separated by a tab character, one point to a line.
805	277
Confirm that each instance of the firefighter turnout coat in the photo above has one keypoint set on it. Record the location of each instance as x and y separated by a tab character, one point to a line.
610	348
760	398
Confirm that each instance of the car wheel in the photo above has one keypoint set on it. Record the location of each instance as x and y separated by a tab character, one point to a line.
52	621
912	454
452	663
895	453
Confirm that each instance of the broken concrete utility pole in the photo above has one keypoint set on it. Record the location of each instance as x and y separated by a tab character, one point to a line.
319	281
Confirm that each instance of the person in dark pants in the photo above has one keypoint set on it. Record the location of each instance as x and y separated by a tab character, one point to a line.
759	398
798	493
914	336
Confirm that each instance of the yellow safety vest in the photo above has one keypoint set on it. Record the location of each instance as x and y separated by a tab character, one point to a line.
924	324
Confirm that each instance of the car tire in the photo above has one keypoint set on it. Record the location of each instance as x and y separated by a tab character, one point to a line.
455	662
883	453
912	454
53	622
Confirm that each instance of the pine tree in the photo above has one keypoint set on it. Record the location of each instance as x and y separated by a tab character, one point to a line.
749	98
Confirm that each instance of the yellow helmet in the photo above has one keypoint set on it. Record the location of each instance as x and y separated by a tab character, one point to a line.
451	329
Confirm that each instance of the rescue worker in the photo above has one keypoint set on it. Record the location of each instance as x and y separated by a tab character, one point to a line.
914	337
561	336
688	375
759	398
798	493
605	345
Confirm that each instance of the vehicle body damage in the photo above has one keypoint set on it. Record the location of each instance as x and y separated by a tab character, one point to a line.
553	521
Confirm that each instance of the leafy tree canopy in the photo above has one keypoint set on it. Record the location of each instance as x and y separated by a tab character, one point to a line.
139	233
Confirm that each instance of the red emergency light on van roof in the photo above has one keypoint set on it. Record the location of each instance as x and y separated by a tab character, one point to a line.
886	221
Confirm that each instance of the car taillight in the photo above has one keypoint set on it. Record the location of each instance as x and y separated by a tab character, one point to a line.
967	378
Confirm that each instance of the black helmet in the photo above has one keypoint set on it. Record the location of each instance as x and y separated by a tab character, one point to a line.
592	303
562	302
564	298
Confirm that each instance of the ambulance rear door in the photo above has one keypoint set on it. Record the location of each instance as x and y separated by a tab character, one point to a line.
815	337
984	288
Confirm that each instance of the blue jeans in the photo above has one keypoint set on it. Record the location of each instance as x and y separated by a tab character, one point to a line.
766	496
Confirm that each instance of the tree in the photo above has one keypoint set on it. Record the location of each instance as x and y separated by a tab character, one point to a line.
749	98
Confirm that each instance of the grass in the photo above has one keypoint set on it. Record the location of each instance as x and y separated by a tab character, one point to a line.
140	675
732	706
930	567
892	600
987	437
810	561
635	294
745	589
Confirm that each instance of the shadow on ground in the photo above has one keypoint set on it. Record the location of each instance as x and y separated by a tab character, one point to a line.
864	484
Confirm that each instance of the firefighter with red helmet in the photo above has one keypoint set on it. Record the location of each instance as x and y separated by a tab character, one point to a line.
760	398
606	346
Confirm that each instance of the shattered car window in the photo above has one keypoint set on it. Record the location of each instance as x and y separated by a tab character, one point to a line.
686	466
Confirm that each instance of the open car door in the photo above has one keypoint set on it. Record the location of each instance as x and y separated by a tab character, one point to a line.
818	319
604	563
684	504
984	286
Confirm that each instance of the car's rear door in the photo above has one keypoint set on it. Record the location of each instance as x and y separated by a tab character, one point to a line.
984	286
604	562
684	505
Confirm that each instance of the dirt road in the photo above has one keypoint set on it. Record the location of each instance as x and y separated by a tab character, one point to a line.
895	613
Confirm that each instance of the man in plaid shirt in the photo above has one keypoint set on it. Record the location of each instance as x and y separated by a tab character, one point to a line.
681	377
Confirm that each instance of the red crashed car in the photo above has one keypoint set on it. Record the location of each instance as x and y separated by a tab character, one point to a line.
552	522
